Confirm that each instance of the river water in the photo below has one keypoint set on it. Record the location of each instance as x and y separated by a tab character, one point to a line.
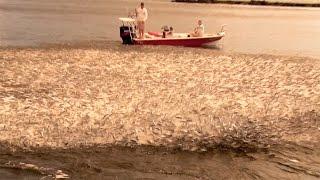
250	29
93	24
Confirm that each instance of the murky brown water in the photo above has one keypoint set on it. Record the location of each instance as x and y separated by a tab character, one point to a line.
257	30
251	29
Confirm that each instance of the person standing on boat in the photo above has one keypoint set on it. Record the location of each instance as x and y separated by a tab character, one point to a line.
142	16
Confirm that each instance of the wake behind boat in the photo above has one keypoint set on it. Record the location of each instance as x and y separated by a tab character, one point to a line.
128	35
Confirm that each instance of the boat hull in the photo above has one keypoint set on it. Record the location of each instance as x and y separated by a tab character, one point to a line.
188	41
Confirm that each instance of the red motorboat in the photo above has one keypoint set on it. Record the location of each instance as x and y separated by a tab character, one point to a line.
179	40
127	33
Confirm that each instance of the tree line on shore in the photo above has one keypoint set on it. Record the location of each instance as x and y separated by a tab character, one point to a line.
256	2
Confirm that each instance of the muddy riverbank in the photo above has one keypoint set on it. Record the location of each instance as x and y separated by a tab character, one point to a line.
145	162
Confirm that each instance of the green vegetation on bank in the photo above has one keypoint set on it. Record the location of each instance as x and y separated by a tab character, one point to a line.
303	3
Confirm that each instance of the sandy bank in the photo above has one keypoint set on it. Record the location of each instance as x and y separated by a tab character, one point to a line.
303	3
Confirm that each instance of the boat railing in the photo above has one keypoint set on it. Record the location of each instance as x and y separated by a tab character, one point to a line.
223	27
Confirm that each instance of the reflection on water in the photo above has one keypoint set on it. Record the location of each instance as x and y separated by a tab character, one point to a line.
250	29
214	46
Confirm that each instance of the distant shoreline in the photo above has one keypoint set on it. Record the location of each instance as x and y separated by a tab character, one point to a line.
254	2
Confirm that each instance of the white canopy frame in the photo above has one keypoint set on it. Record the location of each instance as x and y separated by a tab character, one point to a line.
127	21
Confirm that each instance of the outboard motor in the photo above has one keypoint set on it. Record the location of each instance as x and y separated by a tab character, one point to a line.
127	34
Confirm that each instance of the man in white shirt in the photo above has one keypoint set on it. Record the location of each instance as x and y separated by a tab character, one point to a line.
199	30
142	16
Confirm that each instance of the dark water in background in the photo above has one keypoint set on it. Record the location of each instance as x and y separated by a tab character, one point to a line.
251	29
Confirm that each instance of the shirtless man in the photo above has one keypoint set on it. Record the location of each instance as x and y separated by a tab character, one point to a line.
142	16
